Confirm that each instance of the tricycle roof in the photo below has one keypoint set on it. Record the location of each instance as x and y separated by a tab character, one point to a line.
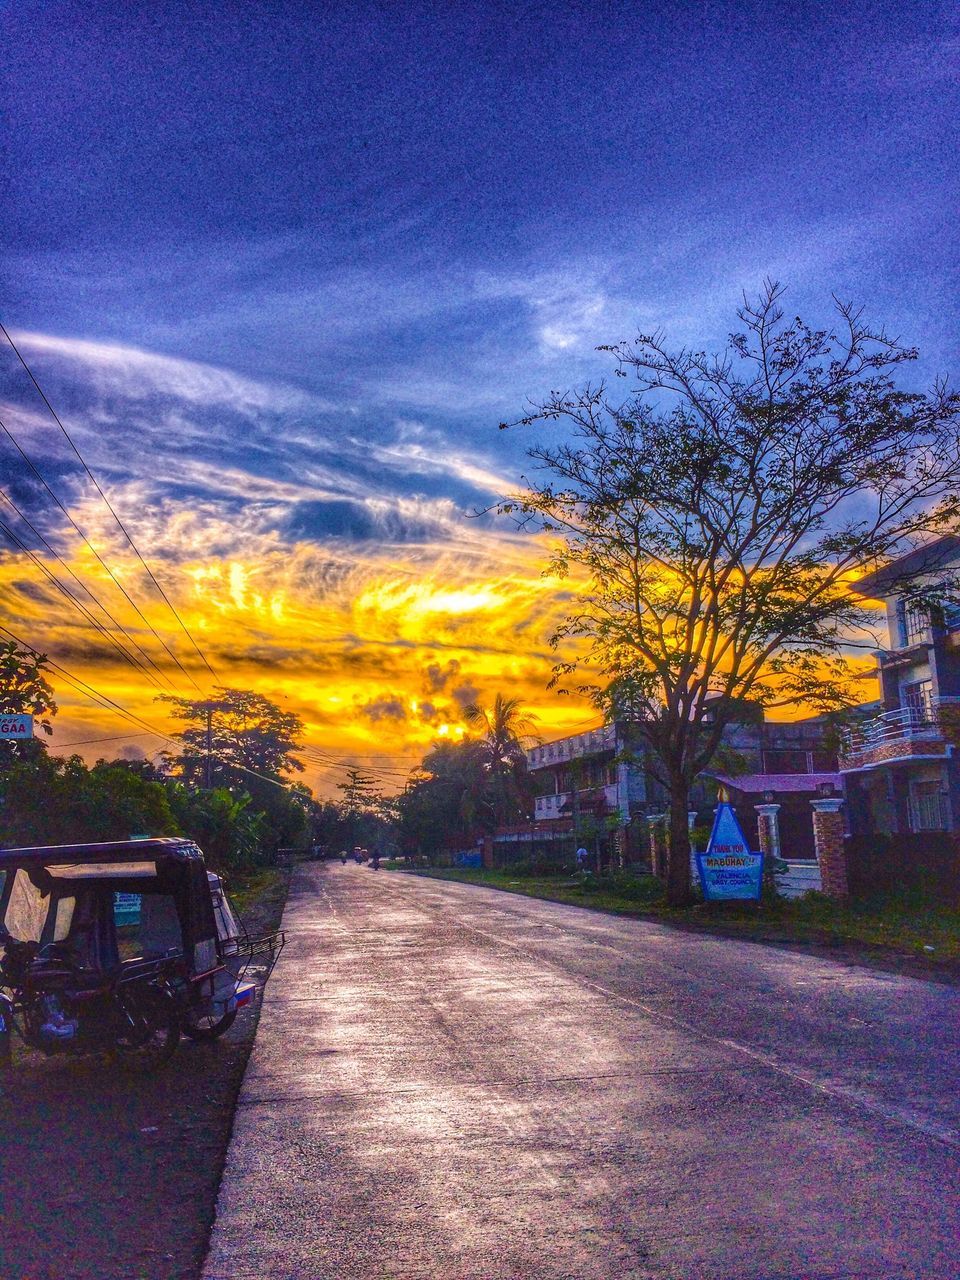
108	854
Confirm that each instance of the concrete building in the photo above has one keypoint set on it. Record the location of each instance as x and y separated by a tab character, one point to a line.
899	764
600	785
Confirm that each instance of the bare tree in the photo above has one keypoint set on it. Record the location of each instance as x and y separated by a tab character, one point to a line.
711	524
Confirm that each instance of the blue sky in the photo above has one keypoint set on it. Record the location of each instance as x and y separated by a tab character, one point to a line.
284	267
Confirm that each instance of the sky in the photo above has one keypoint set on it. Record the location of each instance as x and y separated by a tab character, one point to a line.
282	269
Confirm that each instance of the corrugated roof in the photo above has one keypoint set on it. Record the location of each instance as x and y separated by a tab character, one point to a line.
753	783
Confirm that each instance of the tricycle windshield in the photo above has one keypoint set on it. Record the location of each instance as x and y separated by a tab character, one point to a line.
25	908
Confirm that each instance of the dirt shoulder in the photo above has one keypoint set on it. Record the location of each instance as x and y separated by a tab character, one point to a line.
109	1177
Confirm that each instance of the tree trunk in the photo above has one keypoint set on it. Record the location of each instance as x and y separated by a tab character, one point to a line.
678	858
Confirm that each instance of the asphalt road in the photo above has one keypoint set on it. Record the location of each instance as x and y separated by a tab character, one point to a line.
459	1084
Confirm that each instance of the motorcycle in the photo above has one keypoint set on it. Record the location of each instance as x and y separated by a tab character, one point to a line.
120	948
57	1008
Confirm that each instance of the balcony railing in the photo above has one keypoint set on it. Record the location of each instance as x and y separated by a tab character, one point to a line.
899	725
561	804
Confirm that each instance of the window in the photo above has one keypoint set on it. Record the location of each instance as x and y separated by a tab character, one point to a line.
917	700
951	615
928	807
913	623
26	909
156	929
785	760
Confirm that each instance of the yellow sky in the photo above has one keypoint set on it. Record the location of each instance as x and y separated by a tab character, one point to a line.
376	653
376	650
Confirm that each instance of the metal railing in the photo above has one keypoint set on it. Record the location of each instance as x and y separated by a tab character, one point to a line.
561	803
921	720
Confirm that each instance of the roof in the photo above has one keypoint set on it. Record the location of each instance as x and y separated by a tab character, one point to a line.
757	783
940	554
109	851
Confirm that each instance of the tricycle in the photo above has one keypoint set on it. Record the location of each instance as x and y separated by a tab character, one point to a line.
120	948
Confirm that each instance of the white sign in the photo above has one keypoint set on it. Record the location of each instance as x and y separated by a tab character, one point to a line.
16	726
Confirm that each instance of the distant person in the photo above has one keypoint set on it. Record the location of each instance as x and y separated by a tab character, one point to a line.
375	860
582	859
343	856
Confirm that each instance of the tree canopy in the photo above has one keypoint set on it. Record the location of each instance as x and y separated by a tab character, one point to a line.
241	733
713	521
500	747
24	688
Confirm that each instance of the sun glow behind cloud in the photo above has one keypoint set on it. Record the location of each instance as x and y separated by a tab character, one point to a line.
377	666
338	568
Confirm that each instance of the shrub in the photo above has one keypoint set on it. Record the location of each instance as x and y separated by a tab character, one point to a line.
634	888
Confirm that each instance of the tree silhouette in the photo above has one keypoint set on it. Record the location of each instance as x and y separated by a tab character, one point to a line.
712	523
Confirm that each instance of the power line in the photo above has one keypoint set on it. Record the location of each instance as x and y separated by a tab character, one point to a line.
107	503
100	560
83	586
103	700
79	605
116	737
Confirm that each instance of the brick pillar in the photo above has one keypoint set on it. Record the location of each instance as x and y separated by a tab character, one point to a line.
828	841
658	844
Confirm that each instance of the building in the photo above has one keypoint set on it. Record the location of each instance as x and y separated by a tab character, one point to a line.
898	763
600	787
586	773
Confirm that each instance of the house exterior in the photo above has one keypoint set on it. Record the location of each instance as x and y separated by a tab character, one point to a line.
600	786
586	773
898	762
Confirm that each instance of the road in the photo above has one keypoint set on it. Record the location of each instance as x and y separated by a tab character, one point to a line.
453	1083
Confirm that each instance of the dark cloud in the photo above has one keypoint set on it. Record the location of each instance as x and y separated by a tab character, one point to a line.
355	521
384	709
436	676
465	694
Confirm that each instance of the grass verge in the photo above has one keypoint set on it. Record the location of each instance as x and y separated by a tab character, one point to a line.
928	934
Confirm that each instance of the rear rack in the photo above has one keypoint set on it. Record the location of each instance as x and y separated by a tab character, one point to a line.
141	970
248	949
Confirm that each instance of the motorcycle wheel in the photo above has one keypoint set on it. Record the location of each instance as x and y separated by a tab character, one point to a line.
208	1027
149	1031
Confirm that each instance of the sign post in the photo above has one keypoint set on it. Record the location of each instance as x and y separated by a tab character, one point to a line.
16	727
729	869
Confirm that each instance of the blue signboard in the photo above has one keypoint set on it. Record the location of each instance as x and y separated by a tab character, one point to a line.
468	859
16	726
126	908
728	869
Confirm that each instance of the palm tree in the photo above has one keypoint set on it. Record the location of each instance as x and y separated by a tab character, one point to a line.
502	731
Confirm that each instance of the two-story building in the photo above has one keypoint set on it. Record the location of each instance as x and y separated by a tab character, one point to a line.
586	773
899	765
601	786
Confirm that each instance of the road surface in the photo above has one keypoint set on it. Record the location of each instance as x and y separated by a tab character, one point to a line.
452	1083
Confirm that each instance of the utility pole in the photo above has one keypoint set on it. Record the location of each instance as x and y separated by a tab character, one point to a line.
208	764
208	709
